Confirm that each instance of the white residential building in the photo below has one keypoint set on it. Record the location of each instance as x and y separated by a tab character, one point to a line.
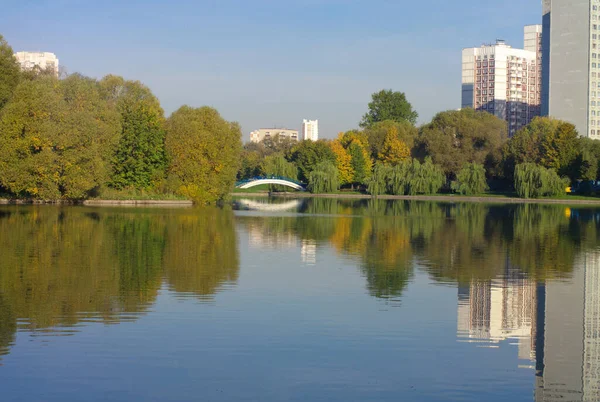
43	60
271	133
310	130
504	81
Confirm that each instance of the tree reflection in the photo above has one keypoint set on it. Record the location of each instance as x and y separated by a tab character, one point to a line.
64	266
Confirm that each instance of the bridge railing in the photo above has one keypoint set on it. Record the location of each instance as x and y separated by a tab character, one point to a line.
269	177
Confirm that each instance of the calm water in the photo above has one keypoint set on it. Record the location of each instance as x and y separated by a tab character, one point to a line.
317	300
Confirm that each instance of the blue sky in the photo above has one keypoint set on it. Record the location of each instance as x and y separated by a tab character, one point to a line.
272	63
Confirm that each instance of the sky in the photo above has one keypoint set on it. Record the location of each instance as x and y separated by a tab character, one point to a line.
272	63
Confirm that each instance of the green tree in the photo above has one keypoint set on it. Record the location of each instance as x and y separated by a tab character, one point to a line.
378	183
9	72
533	181
360	162
140	158
57	138
308	154
470	180
323	178
204	153
389	105
548	142
455	138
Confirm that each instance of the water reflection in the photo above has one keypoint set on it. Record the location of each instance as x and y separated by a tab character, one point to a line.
528	276
61	267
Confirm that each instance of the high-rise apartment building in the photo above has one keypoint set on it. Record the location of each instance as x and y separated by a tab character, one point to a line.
43	60
310	130
571	63
504	81
272	133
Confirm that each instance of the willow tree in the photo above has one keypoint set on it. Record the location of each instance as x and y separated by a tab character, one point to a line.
470	180
204	152
57	139
323	178
140	158
378	183
533	181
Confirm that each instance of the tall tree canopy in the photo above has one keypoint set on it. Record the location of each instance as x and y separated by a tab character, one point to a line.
307	154
551	143
57	138
204	152
377	134
455	138
9	72
140	158
389	105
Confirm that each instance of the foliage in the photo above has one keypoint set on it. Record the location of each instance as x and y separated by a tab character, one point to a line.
9	72
140	158
57	139
277	165
394	150
343	162
533	181
323	178
378	132
378	183
545	141
308	154
470	180
360	162
409	177
455	138
204	153
389	105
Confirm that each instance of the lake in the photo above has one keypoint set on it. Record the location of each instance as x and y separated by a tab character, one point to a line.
300	300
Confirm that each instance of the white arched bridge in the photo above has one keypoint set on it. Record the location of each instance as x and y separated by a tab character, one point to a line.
278	180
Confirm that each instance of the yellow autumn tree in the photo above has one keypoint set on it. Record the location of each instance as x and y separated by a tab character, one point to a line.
394	150
342	161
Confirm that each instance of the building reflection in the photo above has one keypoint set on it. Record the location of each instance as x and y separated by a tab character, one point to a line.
555	323
494	311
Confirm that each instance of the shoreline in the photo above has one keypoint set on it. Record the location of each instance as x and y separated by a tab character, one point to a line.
439	198
99	203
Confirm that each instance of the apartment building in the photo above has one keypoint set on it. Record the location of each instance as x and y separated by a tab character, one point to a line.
310	130
42	60
272	133
504	81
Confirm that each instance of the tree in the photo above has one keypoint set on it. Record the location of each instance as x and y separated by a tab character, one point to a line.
455	138
57	139
533	181
470	180
545	141
140	158
409	177
378	132
389	105
342	162
204	152
9	72
307	154
360	162
394	150
323	178
277	165
378	183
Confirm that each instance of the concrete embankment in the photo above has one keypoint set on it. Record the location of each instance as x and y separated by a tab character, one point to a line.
434	198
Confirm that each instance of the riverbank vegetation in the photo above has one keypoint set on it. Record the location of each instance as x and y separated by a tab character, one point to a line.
75	137
463	152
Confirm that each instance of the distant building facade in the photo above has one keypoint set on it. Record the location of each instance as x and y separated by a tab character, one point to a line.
504	81
310	130
271	133
571	63
43	60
